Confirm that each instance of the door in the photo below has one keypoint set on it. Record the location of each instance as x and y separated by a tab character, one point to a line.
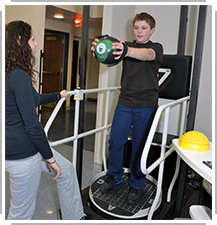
55	66
52	63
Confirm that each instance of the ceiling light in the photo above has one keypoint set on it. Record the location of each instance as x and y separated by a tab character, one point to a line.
59	16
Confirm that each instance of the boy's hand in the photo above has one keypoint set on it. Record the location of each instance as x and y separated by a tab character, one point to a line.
119	46
93	46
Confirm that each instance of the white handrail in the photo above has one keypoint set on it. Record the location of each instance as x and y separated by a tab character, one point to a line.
78	96
164	154
153	130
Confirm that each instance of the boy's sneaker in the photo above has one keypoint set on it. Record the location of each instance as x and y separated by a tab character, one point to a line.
134	195
109	184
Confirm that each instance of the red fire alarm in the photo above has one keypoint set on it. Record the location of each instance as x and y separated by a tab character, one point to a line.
78	22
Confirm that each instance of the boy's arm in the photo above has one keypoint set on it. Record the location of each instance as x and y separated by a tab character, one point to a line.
142	54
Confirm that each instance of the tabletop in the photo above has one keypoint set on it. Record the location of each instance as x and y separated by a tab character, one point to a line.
196	159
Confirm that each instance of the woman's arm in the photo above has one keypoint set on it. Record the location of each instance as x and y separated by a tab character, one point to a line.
25	100
23	91
53	97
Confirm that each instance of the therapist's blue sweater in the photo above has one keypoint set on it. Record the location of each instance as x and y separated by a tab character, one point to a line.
24	134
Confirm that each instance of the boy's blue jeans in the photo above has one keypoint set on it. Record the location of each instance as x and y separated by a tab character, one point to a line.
140	119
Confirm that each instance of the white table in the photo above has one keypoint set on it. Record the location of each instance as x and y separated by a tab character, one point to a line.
195	159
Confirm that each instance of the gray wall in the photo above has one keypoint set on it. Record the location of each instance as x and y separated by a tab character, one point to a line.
167	33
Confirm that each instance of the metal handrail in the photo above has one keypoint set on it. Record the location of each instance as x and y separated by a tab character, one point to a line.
165	107
78	96
164	154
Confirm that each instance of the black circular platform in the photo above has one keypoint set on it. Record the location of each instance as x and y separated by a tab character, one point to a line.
115	203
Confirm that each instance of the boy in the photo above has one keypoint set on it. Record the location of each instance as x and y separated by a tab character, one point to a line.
137	104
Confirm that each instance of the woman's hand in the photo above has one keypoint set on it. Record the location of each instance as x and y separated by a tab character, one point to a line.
64	94
94	43
53	165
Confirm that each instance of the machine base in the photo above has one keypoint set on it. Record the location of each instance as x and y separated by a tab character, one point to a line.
115	203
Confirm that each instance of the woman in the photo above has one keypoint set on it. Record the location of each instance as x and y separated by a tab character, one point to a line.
27	150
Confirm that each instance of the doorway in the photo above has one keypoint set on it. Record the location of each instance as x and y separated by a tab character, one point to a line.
55	62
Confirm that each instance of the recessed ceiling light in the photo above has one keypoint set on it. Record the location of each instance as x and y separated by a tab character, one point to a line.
59	16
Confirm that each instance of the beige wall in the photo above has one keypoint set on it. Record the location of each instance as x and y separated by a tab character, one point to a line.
110	76
96	11
35	16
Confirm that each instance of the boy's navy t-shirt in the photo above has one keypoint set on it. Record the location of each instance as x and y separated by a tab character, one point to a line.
139	82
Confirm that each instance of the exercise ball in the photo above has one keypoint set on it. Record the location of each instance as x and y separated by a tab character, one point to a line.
104	51
194	141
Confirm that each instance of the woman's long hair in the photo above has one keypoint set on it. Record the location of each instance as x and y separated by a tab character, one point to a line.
18	53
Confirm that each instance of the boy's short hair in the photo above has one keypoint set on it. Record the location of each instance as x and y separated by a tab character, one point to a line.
145	16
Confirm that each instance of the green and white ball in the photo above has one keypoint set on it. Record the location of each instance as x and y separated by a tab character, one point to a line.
104	51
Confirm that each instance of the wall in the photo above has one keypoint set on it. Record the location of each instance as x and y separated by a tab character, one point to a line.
35	16
120	26
96	11
166	31
168	35
203	120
